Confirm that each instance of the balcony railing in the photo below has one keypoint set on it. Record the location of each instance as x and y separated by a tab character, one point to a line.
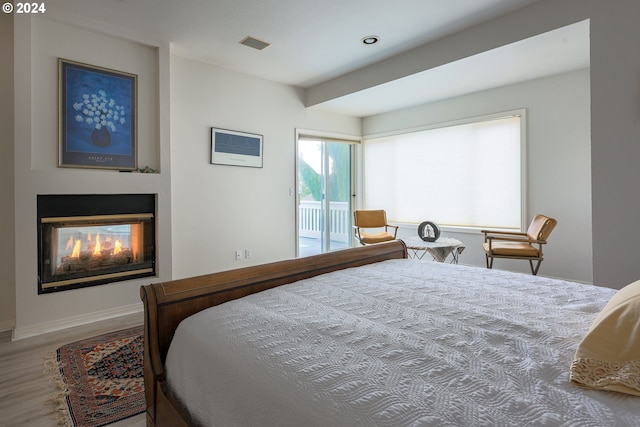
312	220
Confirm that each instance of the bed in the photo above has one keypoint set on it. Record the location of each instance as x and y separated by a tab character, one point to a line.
368	337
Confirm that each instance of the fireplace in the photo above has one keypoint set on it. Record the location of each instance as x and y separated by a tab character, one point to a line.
94	239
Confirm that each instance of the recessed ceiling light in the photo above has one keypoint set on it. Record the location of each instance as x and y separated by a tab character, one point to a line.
370	40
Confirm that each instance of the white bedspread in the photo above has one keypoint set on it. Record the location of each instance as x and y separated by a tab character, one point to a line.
397	343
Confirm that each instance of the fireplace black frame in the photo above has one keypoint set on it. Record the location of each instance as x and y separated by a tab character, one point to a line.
86	205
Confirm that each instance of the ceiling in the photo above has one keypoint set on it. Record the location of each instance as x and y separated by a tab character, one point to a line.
315	41
558	51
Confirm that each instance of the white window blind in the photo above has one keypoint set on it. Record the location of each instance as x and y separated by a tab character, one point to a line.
467	175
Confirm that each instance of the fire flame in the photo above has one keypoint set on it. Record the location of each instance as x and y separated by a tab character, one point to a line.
96	250
76	249
96	245
75	246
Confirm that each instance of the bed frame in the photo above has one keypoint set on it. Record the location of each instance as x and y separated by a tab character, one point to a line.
167	304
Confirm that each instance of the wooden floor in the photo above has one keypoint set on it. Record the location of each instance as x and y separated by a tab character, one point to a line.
25	388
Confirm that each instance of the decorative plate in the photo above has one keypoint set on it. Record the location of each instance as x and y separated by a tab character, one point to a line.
429	231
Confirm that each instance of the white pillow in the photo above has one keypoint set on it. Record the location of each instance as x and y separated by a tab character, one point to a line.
608	358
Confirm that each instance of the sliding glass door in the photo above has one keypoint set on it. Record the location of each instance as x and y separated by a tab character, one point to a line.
324	195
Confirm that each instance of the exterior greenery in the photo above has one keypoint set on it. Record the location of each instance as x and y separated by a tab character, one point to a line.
311	182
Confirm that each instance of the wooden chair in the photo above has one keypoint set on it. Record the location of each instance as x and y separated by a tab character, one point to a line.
518	245
367	219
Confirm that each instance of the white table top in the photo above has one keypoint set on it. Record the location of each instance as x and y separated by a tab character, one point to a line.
442	242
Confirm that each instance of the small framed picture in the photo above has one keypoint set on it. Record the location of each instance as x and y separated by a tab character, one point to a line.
97	117
233	148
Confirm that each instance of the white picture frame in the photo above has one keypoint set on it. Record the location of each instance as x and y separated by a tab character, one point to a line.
234	148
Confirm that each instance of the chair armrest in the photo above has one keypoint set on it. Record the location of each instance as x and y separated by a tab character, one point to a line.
517	236
511	233
508	238
541	242
491	238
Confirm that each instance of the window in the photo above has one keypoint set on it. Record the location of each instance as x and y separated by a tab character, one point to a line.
465	175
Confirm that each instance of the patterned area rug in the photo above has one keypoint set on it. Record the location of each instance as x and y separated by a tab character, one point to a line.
101	378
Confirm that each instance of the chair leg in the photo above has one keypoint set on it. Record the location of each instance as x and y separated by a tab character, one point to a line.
489	261
534	271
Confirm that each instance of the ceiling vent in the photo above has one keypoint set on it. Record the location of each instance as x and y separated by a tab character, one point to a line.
254	43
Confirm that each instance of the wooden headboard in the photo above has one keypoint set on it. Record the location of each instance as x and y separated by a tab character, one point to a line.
167	304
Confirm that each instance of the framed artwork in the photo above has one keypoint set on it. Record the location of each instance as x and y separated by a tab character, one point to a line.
229	147
97	117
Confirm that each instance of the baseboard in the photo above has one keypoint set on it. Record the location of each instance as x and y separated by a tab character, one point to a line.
6	330
70	322
7	325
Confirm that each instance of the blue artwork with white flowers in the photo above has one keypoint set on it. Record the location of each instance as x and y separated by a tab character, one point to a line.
99	114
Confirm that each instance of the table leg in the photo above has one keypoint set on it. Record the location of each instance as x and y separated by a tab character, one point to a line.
418	253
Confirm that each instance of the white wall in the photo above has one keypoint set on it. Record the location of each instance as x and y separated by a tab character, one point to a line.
615	140
558	163
218	209
7	254
39	42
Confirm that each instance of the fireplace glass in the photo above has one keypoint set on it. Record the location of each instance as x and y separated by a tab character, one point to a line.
87	250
